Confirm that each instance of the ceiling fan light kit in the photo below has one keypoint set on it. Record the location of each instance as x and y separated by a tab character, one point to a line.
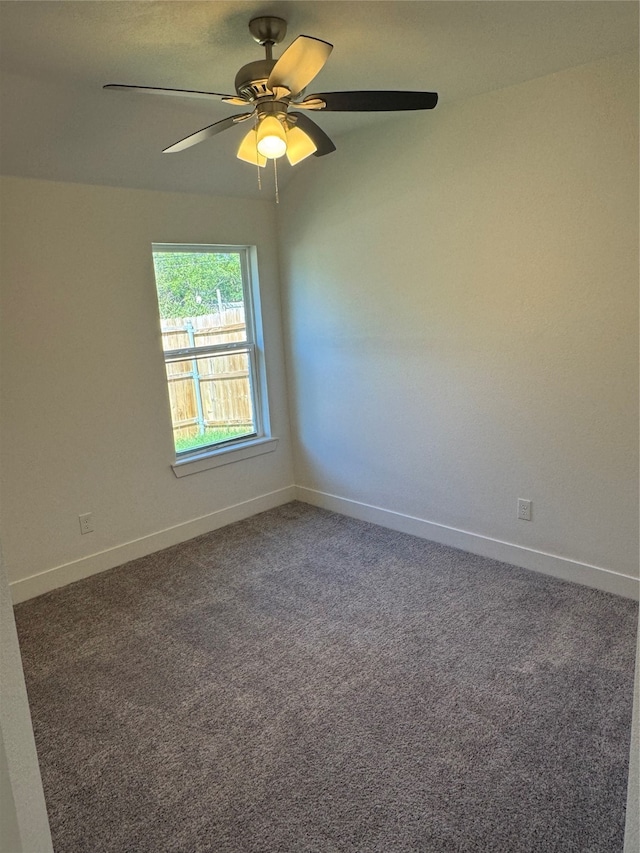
299	145
271	86
272	140
248	150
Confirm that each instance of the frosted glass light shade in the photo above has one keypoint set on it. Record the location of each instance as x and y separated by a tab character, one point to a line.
272	142
299	145
248	150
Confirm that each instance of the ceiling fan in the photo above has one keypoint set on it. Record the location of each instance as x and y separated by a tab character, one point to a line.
272	87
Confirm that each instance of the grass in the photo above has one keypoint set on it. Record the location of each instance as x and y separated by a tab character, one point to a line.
212	435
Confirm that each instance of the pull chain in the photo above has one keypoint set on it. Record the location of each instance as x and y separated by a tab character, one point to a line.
275	175
257	156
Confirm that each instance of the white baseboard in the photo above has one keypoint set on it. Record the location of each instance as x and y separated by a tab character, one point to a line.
58	576
527	558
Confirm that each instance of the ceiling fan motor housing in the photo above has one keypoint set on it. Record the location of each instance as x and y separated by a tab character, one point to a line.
251	80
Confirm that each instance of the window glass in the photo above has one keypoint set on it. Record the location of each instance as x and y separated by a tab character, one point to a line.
210	400
208	340
201	297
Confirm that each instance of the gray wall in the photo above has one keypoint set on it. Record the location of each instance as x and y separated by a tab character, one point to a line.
461	299
85	413
23	814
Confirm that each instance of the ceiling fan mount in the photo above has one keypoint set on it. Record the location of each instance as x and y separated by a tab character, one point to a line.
271	87
268	30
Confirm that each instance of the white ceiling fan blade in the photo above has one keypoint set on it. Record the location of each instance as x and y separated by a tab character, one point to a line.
299	64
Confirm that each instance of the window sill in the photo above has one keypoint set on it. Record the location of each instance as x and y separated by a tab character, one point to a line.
223	456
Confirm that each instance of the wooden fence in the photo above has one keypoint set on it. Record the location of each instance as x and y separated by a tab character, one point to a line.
214	391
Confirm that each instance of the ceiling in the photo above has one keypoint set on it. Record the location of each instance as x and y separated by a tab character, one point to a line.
57	123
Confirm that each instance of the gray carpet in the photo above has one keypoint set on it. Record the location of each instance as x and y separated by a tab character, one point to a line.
301	681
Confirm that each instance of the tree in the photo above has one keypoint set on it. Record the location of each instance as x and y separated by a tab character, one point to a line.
188	282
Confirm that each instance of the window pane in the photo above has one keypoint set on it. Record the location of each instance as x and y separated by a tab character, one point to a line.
200	297
204	297
210	400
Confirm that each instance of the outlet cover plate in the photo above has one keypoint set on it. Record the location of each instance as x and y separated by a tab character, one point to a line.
524	509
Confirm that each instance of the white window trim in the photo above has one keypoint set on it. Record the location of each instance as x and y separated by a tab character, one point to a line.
260	442
214	457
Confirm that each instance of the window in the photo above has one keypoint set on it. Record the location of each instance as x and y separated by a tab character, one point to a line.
210	339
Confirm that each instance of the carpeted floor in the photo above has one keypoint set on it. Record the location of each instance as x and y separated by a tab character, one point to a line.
301	681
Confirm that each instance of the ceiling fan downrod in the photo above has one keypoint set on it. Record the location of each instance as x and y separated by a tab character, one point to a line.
267	31
251	79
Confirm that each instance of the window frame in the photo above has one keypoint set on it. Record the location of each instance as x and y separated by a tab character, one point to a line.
260	440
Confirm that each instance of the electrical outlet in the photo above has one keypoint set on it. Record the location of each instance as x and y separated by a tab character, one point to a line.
524	509
86	522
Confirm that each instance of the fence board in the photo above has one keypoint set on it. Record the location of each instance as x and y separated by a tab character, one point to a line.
221	382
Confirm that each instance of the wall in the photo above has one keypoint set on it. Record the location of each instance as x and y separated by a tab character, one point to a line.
24	826
461	295
84	407
632	825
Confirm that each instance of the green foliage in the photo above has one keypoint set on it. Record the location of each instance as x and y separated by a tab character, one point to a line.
212	435
188	282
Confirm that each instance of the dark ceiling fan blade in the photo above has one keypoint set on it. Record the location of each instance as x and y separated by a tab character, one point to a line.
320	139
206	133
375	101
299	64
183	93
